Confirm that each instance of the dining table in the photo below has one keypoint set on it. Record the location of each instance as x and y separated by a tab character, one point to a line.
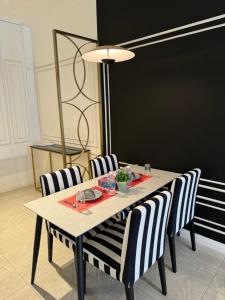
77	223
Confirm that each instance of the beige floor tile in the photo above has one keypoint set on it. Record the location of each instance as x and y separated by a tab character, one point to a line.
99	284
10	281
140	292
3	261
58	280
61	255
191	286
209	260
190	282
202	259
216	290
18	197
221	270
51	285
26	293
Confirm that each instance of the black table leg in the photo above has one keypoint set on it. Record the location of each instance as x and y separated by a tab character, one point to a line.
50	246
80	267
37	239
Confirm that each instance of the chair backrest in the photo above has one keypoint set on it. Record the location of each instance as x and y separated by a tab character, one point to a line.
184	190
144	237
60	180
104	164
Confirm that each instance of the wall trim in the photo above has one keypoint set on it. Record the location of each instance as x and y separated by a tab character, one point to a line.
204	21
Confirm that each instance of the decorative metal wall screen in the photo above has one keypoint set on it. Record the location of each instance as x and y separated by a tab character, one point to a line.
81	110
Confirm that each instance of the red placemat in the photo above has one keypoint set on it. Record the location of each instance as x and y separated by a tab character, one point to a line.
68	202
140	180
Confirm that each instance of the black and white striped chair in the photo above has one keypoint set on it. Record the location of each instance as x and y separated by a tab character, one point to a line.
60	180
126	250
104	164
184	189
57	181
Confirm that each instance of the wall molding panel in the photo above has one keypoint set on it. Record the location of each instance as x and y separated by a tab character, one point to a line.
19	127
18	101
5	138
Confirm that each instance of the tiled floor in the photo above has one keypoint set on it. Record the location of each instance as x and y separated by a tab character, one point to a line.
201	275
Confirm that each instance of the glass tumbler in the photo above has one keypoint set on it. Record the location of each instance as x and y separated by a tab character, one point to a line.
81	202
147	169
129	172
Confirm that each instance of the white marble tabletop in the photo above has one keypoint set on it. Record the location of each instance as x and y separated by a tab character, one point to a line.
77	223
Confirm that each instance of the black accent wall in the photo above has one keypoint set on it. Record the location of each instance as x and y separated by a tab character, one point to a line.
124	20
168	104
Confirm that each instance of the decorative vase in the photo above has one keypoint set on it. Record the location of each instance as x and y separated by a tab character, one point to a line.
122	186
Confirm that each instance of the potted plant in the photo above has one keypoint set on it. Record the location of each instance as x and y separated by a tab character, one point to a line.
122	179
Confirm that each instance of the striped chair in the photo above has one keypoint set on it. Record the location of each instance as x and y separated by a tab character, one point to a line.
57	181
104	164
60	180
184	189
126	251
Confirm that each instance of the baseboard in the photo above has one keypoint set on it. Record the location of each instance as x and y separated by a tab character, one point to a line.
205	241
15	181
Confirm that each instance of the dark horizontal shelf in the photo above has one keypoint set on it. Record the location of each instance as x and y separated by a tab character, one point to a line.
56	148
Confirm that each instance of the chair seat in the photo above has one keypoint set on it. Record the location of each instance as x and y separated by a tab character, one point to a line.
69	240
104	249
122	215
126	250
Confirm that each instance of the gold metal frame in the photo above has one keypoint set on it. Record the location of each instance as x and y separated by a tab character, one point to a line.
61	102
70	162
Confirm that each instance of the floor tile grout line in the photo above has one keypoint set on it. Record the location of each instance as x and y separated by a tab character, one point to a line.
111	287
20	275
11	265
21	289
211	280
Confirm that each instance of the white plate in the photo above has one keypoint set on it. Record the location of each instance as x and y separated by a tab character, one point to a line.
136	176
97	195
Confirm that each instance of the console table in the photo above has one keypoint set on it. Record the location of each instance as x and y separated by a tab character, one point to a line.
57	149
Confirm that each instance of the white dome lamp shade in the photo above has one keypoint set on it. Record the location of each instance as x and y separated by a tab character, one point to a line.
108	54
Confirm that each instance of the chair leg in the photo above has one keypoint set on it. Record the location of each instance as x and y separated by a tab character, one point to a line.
50	246
162	274
85	272
129	292
173	253
192	234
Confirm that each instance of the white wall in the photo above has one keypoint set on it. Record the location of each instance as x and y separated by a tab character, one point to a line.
77	16
42	16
